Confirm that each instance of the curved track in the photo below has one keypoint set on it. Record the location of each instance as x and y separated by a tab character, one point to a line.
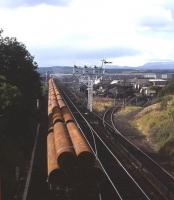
123	184
158	176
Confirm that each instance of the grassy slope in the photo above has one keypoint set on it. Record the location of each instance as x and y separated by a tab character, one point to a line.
155	123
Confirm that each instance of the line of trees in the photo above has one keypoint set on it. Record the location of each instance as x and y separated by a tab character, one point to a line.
20	87
18	67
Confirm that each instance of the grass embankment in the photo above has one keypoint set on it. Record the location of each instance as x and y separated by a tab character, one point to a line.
128	110
155	122
100	104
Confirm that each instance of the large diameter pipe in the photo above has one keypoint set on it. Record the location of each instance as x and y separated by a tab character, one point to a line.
56	176
66	115
58	97
84	154
57	116
53	99
55	88
49	105
65	154
61	103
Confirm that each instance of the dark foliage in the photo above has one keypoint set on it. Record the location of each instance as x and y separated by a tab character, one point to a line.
19	68
168	89
9	95
20	87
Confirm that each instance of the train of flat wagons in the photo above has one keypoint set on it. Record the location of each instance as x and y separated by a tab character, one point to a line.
73	170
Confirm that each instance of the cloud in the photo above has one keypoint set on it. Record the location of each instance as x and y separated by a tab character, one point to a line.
76	53
87	30
159	19
169	4
156	23
72	55
22	3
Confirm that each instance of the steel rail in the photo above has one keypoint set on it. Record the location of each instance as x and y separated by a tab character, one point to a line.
113	124
163	171
110	150
137	148
93	150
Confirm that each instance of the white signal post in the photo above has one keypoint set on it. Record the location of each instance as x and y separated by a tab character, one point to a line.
103	64
89	74
90	94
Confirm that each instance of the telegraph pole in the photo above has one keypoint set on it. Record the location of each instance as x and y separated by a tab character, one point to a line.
87	76
90	94
103	64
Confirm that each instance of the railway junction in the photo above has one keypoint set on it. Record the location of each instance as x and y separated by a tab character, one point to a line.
83	156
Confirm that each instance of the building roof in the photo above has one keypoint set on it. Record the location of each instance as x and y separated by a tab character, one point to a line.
157	80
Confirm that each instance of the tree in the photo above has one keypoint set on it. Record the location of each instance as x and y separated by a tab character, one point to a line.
19	88
9	95
19	68
168	89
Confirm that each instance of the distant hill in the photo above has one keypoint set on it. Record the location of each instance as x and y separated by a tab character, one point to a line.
151	66
148	66
119	67
158	65
56	70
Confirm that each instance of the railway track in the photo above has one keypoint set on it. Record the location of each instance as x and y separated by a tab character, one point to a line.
122	181
155	180
123	178
157	176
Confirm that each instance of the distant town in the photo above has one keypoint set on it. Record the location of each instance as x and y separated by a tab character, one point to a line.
136	85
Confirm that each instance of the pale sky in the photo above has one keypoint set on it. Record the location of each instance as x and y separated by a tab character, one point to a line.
68	32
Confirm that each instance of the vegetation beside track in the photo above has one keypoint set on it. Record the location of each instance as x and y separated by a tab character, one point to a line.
157	124
128	109
20	87
100	104
154	122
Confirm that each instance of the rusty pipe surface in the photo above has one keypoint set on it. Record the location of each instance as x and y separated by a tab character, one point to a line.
66	115
49	105
56	176
61	103
64	148
57	116
82	149
59	97
65	154
55	88
51	152
85	157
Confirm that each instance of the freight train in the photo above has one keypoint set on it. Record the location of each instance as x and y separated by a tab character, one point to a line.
73	171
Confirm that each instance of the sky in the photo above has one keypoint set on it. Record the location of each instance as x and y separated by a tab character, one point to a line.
82	32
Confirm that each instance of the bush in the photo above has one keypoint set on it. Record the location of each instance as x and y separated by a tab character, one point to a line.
19	68
170	109
9	95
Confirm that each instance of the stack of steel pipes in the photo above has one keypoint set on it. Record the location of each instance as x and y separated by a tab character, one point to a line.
72	165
